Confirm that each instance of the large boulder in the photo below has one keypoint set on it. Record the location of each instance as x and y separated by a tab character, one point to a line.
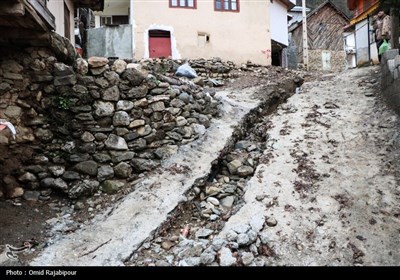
62	48
134	76
97	62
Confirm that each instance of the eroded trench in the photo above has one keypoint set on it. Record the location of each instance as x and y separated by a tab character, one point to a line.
214	198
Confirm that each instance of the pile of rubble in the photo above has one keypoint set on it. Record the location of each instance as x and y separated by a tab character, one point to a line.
192	235
206	68
195	240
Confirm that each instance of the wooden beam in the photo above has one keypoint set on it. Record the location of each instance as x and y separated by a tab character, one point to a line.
12	9
95	5
44	13
18	34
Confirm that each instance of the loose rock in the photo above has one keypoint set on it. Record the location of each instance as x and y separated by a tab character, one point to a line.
271	222
226	258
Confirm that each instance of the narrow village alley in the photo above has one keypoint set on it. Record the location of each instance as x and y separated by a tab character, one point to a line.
198	134
325	191
330	186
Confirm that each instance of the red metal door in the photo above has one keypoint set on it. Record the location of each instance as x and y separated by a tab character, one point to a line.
159	43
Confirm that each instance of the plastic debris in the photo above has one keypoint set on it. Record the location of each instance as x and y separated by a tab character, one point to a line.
4	124
186	71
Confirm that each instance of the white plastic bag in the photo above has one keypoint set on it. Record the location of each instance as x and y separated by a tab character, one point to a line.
186	71
4	124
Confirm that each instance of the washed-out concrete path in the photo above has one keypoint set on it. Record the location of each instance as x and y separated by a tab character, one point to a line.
326	191
114	235
330	180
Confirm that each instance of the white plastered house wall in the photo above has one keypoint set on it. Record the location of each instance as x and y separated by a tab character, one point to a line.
57	8
279	21
235	36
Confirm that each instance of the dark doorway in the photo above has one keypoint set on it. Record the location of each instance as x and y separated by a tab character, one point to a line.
277	49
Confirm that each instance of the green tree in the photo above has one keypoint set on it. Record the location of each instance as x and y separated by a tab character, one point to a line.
394	7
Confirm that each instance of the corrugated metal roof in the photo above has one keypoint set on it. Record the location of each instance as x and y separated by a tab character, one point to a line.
299	9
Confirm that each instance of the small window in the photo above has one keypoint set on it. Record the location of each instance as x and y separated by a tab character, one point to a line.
203	39
120	20
105	20
113	20
190	4
226	5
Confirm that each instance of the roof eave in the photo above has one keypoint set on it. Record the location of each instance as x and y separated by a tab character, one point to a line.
95	5
289	5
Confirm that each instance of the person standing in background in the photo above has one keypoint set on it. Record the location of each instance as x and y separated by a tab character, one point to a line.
386	28
381	25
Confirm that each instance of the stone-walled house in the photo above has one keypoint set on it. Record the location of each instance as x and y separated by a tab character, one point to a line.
325	37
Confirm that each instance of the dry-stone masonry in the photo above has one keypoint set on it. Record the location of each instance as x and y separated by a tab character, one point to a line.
94	124
390	65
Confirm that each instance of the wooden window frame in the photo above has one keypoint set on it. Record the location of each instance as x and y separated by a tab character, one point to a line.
104	20
67	22
230	5
183	7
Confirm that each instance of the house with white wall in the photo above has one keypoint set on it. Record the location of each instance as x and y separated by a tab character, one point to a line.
360	32
279	29
235	30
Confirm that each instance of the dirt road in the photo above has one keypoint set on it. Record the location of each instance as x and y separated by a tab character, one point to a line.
331	181
326	191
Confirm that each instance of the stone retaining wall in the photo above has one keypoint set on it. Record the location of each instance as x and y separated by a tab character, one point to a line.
390	65
98	124
92	125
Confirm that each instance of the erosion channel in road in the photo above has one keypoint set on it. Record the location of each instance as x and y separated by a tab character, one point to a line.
324	191
112	237
310	181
